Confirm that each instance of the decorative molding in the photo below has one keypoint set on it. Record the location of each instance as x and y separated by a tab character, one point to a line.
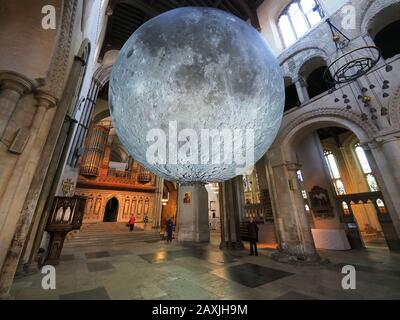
370	11
45	99
102	74
58	70
16	82
394	110
337	115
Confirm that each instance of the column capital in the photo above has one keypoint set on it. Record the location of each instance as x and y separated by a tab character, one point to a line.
16	82
293	166
300	81
45	99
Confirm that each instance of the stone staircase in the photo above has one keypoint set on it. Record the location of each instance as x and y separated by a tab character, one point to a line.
107	234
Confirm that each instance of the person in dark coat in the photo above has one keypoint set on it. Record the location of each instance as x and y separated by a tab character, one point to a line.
252	229
170	229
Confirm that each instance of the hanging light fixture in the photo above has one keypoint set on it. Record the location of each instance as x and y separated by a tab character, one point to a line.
352	63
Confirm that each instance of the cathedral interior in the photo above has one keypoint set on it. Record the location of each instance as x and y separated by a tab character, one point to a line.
326	194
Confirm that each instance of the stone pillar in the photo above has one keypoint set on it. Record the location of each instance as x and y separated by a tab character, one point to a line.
302	91
391	149
12	87
238	212
16	225
261	174
193	214
265	197
292	225
386	174
231	209
158	203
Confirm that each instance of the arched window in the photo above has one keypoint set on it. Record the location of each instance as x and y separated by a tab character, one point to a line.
366	169
312	72
385	40
334	172
303	191
381	206
298	17
346	209
291	96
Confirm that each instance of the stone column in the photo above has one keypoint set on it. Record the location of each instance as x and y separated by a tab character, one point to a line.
158	203
12	87
193	214
17	223
265	198
302	91
385	172
391	149
231	208
238	212
292	225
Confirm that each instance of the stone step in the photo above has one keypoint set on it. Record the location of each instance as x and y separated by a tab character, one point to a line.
111	237
69	244
102	234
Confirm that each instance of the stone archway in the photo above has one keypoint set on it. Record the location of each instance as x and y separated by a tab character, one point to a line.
292	224
111	210
377	14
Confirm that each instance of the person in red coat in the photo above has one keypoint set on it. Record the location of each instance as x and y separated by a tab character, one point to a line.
132	221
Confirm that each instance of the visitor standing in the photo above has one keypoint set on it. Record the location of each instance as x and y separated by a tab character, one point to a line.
252	229
170	229
132	221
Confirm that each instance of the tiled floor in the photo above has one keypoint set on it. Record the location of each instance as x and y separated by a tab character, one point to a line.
174	271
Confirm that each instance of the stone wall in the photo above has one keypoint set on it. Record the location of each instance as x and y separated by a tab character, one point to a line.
138	203
376	125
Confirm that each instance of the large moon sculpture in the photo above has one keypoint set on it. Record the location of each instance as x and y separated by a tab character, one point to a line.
198	69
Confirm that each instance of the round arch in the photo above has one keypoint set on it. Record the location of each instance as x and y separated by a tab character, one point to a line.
311	121
84	51
101	116
378	15
111	209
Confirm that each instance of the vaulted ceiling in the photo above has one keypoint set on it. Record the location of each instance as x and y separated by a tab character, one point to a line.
128	15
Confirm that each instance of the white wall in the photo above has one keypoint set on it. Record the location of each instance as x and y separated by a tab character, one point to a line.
212	196
309	153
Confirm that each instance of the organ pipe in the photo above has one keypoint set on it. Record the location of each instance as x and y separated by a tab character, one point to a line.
94	148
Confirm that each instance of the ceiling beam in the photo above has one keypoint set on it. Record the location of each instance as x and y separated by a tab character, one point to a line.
128	9
250	12
232	8
126	17
144	7
217	3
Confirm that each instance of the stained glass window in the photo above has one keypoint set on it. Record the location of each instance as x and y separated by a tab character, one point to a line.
298	17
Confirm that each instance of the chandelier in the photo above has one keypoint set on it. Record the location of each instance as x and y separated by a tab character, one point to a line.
358	67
